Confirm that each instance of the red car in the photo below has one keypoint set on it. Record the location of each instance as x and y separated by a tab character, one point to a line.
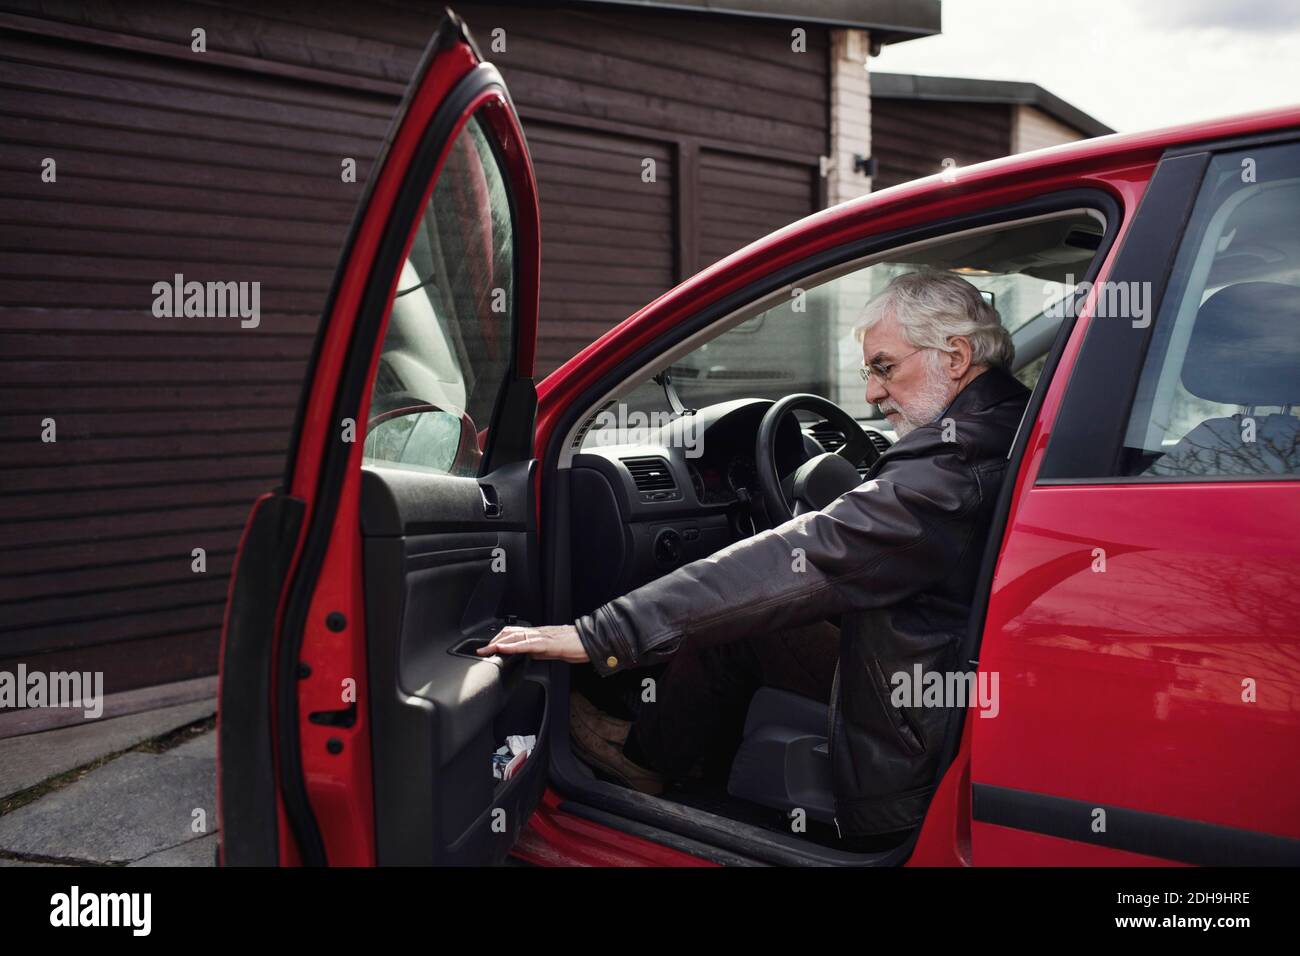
1137	618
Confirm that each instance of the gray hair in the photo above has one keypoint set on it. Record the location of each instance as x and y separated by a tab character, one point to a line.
932	307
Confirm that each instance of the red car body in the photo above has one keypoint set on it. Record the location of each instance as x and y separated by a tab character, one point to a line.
1120	690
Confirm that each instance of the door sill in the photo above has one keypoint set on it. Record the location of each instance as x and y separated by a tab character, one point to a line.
717	837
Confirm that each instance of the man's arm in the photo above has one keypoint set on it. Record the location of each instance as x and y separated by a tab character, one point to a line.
876	545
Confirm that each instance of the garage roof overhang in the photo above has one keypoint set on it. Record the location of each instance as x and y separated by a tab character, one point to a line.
908	86
890	21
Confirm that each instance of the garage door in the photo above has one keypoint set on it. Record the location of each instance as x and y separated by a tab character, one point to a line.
607	232
164	429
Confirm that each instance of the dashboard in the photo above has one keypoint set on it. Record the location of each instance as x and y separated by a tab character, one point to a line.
678	493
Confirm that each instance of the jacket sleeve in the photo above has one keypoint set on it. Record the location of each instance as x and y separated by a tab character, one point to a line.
893	535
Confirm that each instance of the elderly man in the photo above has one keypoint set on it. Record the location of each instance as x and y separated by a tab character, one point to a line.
895	559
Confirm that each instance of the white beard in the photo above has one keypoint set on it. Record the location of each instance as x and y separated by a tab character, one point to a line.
931	399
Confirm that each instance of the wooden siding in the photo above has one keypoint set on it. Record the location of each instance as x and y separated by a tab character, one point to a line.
743	198
911	138
225	166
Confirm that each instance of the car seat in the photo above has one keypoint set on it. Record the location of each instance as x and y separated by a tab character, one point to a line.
783	761
1244	350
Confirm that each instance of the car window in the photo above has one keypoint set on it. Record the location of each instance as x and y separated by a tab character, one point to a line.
448	342
804	342
1219	391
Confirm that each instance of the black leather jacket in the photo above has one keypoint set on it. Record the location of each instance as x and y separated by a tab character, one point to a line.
897	557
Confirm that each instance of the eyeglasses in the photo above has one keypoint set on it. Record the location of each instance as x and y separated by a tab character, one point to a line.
881	371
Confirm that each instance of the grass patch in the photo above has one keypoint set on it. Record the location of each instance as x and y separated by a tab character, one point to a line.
181	735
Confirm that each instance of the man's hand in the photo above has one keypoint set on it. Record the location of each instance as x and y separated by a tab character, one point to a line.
552	642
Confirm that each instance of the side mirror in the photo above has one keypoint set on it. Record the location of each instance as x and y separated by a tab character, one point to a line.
423	435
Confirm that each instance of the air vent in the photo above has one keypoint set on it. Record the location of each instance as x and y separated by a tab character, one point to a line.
653	478
650	474
832	439
581	436
828	436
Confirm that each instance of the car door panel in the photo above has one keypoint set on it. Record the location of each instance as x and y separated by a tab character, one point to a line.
1131	615
1122	688
441	578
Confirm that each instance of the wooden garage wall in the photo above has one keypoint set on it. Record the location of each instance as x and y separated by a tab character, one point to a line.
744	197
719	104
167	429
225	166
911	138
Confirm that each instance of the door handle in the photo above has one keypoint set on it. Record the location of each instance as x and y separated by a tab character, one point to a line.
468	646
491	503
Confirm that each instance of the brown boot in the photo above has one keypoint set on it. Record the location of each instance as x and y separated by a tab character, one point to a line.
598	741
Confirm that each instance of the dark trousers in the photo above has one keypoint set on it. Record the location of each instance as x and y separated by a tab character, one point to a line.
701	698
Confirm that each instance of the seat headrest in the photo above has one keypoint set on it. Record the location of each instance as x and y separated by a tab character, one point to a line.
1245	346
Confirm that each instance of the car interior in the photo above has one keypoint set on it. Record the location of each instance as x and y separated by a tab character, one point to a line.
660	469
670	459
665	469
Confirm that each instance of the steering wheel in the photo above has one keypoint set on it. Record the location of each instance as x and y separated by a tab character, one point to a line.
822	478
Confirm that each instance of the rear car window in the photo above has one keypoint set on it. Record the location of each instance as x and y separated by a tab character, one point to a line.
1219	392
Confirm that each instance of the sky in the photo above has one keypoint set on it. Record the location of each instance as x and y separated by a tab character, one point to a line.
1132	64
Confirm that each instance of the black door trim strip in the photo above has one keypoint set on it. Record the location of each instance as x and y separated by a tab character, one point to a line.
1135	831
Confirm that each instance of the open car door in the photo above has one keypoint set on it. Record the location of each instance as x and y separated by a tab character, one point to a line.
357	726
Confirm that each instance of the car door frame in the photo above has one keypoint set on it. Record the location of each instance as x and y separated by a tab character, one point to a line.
308	532
720	291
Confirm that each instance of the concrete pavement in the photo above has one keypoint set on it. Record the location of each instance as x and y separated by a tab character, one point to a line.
138	790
